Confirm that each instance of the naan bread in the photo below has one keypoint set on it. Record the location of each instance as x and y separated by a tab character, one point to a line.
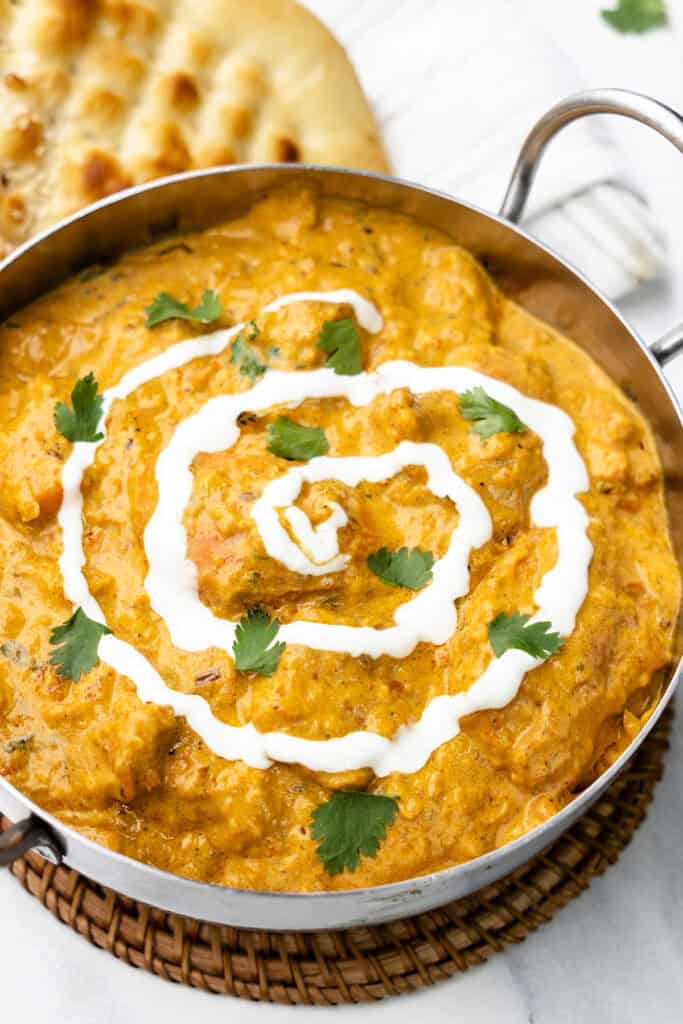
98	95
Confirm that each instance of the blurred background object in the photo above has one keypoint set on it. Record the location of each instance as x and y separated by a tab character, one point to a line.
98	95
473	78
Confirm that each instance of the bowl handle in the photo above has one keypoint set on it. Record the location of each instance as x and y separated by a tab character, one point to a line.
668	346
665	120
29	834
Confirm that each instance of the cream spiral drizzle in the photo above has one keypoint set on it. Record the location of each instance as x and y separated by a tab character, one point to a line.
430	616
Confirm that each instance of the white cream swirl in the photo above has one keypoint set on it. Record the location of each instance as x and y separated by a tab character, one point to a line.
429	617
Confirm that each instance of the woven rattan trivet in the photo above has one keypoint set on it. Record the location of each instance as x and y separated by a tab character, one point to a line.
362	964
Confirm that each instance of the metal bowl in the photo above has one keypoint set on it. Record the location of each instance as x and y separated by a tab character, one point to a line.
528	272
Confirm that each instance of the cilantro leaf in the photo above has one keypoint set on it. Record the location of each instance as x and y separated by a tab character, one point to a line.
351	824
244	356
403	568
512	631
76	642
637	15
339	338
208	308
253	637
165	307
293	441
80	422
489	416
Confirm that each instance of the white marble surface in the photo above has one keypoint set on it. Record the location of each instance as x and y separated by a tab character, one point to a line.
614	956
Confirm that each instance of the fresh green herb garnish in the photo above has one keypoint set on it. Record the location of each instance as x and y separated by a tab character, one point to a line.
339	338
489	416
252	647
80	422
165	307
76	643
293	441
244	356
403	568
637	15
351	824
512	631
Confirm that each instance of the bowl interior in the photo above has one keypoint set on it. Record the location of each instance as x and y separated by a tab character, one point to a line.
524	270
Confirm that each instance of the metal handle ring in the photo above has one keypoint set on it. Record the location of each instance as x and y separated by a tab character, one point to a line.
665	120
29	834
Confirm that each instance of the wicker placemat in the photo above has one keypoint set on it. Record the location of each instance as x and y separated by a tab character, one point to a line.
361	964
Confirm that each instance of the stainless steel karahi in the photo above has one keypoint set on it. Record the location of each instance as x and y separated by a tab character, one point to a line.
530	273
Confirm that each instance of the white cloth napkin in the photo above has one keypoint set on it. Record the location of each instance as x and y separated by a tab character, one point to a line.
457	86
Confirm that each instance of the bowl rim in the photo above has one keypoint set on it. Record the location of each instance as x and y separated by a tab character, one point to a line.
486	862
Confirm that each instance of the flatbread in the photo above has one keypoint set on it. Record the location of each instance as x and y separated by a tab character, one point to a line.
98	95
